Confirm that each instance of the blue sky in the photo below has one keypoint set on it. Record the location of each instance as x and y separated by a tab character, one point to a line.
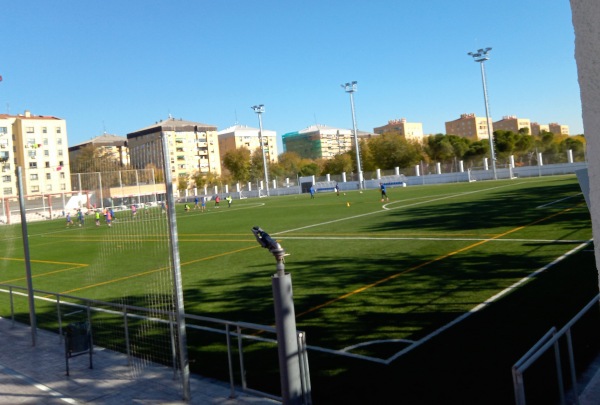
118	66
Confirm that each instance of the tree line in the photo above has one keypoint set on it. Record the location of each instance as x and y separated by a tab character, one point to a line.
385	152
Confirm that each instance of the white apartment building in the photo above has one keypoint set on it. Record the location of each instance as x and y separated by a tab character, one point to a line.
319	141
38	144
240	135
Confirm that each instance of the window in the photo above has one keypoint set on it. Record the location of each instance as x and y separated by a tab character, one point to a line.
33	176
48	187
58	130
45	141
62	175
47	165
44	130
35	189
6	179
60	152
29	130
7	190
33	165
3	130
31	154
63	186
48	176
59	141
46	152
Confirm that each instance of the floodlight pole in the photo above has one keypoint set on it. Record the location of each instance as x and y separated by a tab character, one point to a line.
285	323
350	88
481	56
259	109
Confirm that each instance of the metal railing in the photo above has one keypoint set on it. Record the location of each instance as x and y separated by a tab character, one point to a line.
551	340
130	313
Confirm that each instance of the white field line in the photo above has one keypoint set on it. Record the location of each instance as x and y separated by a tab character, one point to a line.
373	238
557	201
395	208
487	302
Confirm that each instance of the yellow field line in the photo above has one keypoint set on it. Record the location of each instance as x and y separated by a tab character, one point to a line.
155	271
45	274
393	276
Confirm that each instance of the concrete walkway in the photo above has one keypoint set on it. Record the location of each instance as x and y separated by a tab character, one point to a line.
37	375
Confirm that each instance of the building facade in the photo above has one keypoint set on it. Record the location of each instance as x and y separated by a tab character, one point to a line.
38	144
469	126
193	148
111	146
243	136
318	141
537	128
513	124
409	130
558	129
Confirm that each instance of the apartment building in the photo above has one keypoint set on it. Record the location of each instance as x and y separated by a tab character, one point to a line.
193	147
319	141
558	129
240	135
37	144
469	126
106	145
409	130
537	128
513	124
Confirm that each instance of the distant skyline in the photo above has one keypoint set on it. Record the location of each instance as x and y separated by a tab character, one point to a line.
117	67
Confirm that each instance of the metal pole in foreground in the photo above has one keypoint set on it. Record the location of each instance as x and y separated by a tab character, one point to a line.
32	316
259	109
481	56
351	88
176	265
285	323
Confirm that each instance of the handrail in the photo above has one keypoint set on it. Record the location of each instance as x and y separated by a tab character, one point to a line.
550	339
125	311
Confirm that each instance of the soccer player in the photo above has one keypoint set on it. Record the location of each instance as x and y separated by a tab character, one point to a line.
383	192
69	220
196	202
229	200
80	217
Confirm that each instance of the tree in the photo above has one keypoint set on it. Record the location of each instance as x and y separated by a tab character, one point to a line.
341	163
91	159
238	162
392	150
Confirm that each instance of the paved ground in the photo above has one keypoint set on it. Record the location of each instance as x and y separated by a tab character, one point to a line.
37	375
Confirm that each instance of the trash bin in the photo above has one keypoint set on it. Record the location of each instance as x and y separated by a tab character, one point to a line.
78	341
78	337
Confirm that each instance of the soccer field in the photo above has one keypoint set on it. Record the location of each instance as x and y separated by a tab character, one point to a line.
372	279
